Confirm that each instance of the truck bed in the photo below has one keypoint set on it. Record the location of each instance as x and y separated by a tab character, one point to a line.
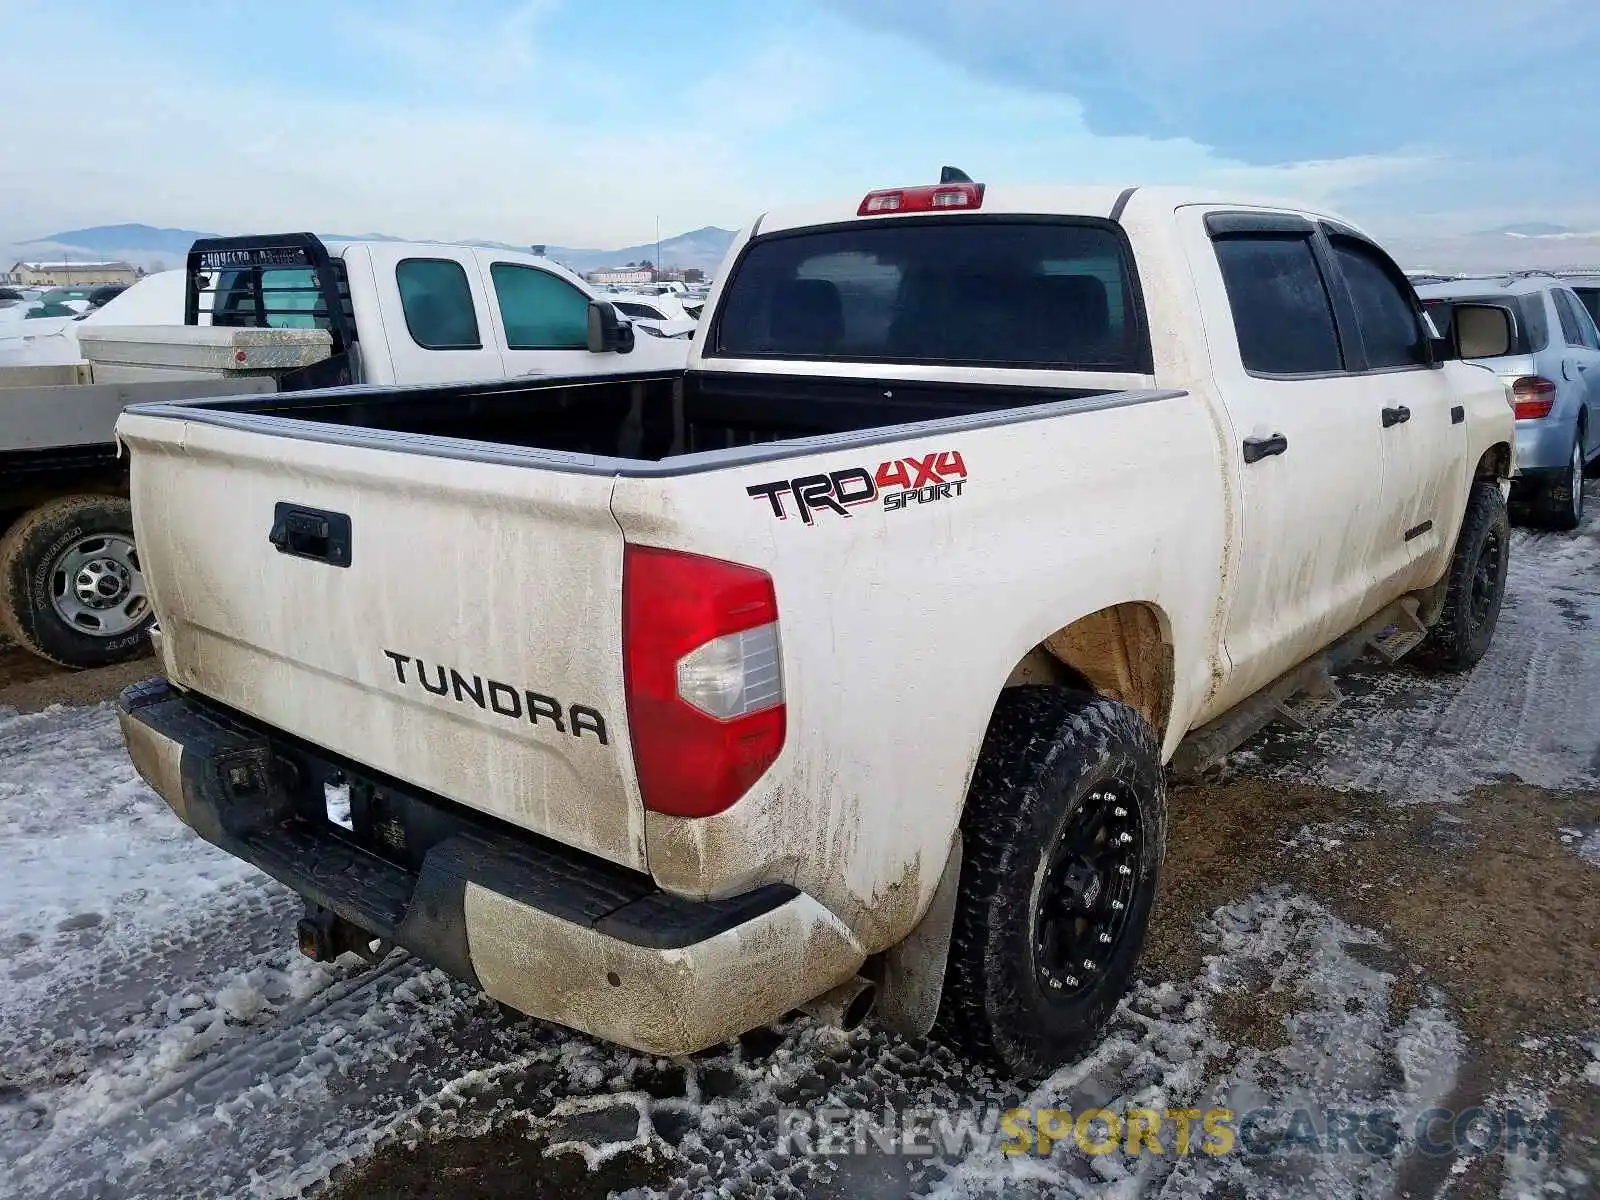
319	558
644	418
59	436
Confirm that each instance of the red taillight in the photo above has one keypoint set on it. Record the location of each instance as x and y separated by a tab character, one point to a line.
938	197
704	678
1532	397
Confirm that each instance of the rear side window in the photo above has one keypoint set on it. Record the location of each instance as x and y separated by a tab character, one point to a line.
1535	322
1586	327
998	293
1390	332
437	301
1576	323
1571	331
628	309
540	311
1590	296
1280	304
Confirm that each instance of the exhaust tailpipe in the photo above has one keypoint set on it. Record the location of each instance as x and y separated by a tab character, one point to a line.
846	1006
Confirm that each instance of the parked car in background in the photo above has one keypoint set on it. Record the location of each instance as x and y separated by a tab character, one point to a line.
77	299
1552	378
41	309
101	296
664	314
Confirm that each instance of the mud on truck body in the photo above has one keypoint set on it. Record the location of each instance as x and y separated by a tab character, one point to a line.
847	664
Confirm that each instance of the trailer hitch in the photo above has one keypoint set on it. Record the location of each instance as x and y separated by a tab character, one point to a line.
322	936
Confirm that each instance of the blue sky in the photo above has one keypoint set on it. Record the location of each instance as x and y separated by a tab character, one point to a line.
581	123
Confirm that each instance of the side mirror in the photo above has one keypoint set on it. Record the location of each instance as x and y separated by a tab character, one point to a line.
608	334
1480	331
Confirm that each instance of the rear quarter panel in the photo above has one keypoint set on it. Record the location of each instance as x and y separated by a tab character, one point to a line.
899	629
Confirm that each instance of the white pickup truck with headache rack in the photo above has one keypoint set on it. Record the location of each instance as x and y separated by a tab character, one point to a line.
261	313
844	666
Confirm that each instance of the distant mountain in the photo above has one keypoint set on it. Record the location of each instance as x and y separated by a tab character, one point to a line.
1482	252
114	239
703	248
149	246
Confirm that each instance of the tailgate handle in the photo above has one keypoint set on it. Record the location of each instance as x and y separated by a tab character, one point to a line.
311	533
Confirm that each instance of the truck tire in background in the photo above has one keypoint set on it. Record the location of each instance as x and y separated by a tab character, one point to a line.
1063	836
1476	585
71	589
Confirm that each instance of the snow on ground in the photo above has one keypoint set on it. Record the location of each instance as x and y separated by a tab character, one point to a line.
1526	710
160	1037
1585	843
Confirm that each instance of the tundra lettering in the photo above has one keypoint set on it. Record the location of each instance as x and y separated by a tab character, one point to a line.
494	696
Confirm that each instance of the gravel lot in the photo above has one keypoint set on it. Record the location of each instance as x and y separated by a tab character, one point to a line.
1398	911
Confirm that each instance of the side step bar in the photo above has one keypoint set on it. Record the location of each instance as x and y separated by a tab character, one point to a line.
1391	634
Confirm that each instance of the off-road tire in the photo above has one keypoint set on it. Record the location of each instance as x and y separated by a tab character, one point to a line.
27	612
1047	750
1460	636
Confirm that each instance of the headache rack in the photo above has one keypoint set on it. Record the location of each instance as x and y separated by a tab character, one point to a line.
275	281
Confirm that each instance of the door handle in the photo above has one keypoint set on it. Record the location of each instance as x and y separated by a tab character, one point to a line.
1396	416
312	533
1255	449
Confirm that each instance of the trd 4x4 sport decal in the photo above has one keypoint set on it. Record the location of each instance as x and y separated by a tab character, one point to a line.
899	483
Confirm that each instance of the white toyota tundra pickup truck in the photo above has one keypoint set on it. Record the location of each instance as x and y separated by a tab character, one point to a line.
845	666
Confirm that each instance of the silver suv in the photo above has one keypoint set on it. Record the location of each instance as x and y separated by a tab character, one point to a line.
1552	378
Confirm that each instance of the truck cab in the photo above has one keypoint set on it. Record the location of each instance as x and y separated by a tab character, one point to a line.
412	312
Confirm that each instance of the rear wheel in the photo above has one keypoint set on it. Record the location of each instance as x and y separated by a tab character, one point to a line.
1063	836
1563	507
1476	587
71	586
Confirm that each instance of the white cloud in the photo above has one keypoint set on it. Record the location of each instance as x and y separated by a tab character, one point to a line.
417	121
181	144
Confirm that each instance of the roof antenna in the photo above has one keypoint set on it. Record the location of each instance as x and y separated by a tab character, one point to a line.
953	175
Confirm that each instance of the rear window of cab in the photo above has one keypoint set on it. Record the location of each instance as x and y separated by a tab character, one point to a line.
993	292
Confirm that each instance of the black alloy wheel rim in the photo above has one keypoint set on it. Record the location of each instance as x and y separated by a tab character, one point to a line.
1087	894
1486	578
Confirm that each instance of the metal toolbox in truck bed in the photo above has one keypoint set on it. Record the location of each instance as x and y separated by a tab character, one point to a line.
131	353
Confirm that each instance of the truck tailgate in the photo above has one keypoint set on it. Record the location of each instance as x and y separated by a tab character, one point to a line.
468	643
